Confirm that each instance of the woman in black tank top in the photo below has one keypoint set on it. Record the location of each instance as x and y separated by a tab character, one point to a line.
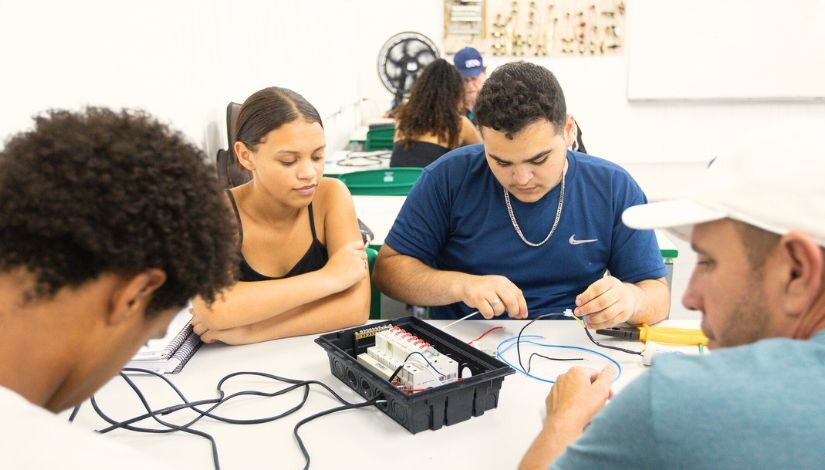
303	268
314	259
432	122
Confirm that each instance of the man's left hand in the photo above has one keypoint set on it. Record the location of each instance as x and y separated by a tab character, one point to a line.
607	302
577	396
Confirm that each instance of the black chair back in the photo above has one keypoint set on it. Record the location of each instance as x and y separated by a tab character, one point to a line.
230	172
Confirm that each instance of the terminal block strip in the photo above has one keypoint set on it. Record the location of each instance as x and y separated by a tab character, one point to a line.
370	332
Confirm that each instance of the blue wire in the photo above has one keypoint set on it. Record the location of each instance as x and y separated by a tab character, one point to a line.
515	340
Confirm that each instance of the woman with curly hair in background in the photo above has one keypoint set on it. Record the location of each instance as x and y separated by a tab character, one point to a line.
303	266
431	123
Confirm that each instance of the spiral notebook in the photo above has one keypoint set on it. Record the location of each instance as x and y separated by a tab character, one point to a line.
169	354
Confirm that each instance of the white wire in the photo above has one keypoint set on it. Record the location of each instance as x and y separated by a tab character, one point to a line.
460	320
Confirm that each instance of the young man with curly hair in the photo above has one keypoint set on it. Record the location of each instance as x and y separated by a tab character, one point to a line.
520	224
757	224
109	223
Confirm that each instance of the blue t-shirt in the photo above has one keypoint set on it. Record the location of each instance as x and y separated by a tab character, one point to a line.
756	406
455	219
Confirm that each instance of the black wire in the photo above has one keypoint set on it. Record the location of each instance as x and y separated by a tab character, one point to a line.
398	369
518	339
587	331
171	426
629	351
195	432
223	399
186	404
216	402
74	413
348	406
530	359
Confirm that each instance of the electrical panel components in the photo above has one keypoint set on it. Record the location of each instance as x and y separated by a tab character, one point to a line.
412	363
471	395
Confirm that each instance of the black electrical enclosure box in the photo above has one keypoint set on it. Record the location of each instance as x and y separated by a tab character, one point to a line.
429	409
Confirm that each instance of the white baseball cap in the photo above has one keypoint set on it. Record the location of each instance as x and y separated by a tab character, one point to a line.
774	179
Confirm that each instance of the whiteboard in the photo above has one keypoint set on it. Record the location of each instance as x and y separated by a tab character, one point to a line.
726	50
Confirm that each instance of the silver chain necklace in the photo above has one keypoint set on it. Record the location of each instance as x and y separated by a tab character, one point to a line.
555	222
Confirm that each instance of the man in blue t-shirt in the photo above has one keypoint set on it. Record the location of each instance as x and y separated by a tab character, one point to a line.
758	228
520	224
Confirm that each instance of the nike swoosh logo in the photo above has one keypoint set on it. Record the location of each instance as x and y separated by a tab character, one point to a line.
573	240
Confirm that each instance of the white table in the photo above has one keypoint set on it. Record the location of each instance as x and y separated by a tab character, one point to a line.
377	160
363	439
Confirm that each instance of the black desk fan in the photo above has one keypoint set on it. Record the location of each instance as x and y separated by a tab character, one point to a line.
401	60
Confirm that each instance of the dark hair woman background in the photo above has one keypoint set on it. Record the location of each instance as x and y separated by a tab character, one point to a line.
431	122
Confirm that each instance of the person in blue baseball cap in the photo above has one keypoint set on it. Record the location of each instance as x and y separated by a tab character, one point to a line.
470	65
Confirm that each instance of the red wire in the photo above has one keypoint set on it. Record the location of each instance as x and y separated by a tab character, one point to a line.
485	334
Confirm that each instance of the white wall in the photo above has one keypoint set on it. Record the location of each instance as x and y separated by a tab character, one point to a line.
595	88
622	131
68	54
181	60
382	20
184	60
761	51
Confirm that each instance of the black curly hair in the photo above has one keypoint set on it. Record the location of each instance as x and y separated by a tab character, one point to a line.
100	191
518	94
434	105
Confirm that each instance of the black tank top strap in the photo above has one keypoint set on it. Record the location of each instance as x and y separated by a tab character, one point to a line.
238	215
314	259
312	222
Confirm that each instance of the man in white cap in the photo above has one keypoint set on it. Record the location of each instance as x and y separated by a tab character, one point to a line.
758	227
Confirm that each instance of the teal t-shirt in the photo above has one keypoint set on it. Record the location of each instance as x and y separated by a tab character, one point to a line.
755	406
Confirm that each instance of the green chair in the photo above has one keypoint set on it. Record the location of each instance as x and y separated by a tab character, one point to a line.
375	294
669	254
387	182
379	138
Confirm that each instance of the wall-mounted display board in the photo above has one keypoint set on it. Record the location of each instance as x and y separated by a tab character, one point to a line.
726	50
535	27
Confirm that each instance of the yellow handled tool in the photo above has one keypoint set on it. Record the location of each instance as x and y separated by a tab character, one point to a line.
663	334
658	334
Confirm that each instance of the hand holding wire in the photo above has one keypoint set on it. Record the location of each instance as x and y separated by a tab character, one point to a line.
493	295
585	324
607	302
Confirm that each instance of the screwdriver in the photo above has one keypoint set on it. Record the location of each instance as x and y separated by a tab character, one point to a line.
658	334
